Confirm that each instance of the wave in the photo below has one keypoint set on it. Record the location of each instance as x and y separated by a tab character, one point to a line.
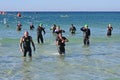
64	16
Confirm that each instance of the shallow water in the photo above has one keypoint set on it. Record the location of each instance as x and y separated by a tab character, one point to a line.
99	61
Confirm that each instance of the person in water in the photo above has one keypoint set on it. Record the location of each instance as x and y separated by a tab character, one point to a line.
18	15
25	44
19	26
109	30
31	26
72	29
60	42
40	29
86	33
58	30
53	28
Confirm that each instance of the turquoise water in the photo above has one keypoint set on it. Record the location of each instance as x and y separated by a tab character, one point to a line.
99	61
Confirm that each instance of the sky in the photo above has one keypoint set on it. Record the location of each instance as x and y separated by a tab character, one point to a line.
60	5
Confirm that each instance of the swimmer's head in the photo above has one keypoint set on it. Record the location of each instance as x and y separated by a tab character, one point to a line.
26	33
40	24
109	25
86	26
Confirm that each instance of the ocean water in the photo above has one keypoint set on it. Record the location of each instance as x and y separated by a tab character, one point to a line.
99	61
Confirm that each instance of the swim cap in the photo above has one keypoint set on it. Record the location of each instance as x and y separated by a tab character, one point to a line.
86	26
40	24
110	25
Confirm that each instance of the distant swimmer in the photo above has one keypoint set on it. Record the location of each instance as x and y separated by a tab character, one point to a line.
18	15
60	42
53	28
19	26
40	29
86	33
58	30
109	30
31	26
25	44
72	29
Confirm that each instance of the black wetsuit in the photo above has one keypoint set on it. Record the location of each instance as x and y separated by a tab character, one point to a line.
86	35
109	31
72	30
59	31
19	27
54	28
61	45
31	27
39	34
26	46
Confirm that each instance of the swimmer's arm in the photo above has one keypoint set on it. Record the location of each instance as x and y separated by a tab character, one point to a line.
82	29
44	30
66	40
111	28
33	44
21	40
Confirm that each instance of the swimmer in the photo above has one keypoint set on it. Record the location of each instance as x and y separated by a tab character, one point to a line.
86	32
25	44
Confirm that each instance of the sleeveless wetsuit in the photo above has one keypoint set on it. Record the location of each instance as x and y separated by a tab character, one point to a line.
26	45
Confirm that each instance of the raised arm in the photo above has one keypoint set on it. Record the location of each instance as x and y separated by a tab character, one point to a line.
82	29
44	30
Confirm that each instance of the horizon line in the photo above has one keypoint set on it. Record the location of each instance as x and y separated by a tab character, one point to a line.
56	11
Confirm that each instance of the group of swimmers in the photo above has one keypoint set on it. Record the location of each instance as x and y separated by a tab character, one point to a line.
26	40
19	26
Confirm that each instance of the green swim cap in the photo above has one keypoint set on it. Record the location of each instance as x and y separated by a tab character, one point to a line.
40	24
86	26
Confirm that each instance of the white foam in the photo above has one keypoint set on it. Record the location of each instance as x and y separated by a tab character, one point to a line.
54	53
